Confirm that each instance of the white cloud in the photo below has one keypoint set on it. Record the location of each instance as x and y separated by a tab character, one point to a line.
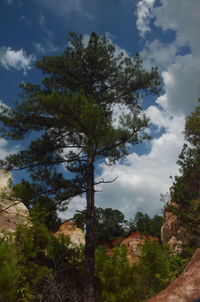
182	18
143	12
181	81
141	179
77	203
159	53
17	59
179	58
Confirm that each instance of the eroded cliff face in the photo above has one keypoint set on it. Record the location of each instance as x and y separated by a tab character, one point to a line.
12	212
76	235
173	233
186	287
133	245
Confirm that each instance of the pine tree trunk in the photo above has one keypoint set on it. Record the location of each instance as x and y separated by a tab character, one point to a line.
89	295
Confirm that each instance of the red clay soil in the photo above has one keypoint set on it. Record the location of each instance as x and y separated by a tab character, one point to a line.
132	242
186	288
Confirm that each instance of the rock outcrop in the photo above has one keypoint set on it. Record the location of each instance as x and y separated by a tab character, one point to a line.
186	287
172	233
76	235
12	212
133	244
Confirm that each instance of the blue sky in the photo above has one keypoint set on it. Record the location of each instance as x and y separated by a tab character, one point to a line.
165	32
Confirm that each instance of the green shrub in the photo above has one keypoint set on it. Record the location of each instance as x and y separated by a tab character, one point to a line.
9	272
120	281
50	268
115	276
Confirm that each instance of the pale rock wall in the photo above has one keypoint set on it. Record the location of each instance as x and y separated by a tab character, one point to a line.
12	212
76	235
172	233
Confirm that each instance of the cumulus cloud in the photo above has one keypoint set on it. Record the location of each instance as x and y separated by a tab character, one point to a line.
159	54
181	81
143	12
17	59
183	19
179	58
141	179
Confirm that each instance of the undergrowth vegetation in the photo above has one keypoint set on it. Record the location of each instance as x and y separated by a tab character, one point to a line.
35	266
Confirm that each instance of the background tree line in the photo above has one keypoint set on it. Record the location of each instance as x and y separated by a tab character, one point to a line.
111	224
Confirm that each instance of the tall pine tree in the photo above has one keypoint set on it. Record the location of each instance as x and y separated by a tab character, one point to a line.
72	112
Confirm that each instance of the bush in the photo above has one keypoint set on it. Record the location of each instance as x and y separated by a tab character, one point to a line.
115	276
51	268
9	272
120	281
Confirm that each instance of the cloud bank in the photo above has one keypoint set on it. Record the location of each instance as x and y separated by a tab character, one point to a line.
142	178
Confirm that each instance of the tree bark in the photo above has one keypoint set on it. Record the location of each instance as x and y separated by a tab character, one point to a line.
89	289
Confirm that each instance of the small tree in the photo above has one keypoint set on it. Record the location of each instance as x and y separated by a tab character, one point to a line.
73	112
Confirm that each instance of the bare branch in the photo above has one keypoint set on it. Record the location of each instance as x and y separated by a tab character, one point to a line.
102	181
